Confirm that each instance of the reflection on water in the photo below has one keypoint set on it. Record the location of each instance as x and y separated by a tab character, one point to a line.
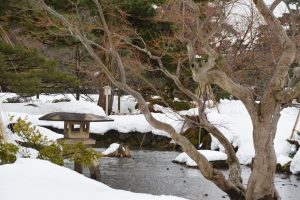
153	172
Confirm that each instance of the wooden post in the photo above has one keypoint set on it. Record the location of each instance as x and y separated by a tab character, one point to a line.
78	167
295	125
95	170
107	91
88	127
81	130
65	128
119	101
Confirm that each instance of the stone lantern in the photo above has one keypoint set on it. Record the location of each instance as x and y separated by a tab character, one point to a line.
77	129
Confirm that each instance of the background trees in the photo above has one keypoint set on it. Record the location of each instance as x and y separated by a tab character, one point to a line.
27	72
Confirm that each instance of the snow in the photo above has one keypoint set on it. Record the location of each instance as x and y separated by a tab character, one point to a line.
33	179
210	156
295	164
49	134
122	123
154	6
42	108
235	123
111	149
283	160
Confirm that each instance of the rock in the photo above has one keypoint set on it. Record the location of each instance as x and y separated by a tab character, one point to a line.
117	150
285	176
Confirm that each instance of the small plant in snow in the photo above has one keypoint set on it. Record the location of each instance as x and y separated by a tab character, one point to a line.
51	150
8	153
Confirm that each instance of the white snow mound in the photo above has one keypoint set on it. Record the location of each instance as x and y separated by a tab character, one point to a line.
33	179
295	164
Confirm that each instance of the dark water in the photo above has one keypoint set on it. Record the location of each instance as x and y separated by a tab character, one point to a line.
153	172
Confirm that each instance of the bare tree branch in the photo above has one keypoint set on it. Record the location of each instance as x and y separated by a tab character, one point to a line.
275	4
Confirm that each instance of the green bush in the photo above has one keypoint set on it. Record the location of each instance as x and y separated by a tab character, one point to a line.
17	99
61	100
219	93
80	154
176	105
179	105
53	153
8	153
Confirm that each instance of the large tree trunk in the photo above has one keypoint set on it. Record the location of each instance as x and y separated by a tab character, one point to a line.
2	131
261	182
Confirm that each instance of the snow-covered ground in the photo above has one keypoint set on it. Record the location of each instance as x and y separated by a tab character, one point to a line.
34	179
34	109
233	121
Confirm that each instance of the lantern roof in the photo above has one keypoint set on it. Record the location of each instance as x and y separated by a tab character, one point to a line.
76	117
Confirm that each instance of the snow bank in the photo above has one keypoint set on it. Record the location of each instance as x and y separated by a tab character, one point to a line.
33	179
43	108
210	156
295	164
121	123
235	123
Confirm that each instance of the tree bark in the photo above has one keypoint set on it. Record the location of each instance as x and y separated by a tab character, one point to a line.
2	131
261	182
101	97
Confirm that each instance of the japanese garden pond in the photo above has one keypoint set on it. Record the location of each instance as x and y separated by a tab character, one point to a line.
153	172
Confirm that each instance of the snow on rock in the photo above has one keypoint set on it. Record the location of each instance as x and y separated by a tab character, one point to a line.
111	149
33	179
295	164
210	156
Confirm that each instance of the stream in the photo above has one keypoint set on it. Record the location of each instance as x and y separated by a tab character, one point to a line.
153	172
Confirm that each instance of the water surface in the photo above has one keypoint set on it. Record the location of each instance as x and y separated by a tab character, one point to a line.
153	172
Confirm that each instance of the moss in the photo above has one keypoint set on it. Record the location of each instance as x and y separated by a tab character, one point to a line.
284	168
176	105
206	141
192	135
179	105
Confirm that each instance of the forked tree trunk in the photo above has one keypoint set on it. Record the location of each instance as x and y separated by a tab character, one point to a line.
261	182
